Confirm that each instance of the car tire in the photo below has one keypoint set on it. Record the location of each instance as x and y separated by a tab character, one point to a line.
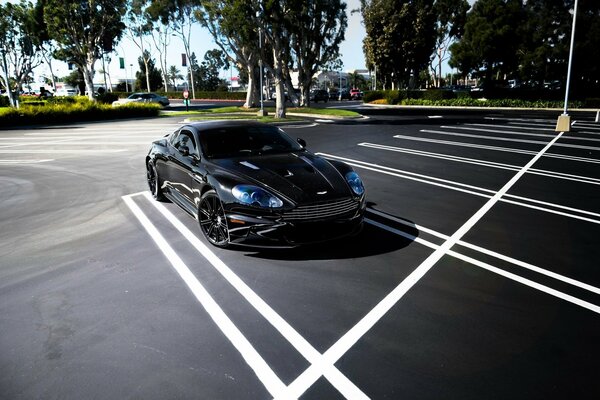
154	183
212	220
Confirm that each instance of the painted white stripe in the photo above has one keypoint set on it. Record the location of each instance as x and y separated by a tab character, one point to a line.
262	370
520	133
476	191
487	252
10	162
485	163
496	148
60	151
495	138
336	378
345	343
77	143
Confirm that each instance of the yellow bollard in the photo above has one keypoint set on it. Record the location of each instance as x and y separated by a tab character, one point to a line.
564	123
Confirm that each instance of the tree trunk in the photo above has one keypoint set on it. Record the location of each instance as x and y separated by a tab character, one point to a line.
6	79
252	92
279	81
88	76
147	74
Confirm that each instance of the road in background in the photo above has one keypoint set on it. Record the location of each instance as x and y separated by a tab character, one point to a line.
94	304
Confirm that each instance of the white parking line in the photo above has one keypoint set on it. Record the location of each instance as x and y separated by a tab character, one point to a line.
346	342
496	138
482	250
18	162
474	190
485	163
262	370
496	148
335	377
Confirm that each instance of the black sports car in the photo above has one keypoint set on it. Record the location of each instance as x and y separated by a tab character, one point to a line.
251	183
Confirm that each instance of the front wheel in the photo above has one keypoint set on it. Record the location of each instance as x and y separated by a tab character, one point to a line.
154	182
213	222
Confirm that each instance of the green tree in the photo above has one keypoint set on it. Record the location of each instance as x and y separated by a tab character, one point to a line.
180	15
174	75
316	30
18	50
450	21
148	74
207	73
139	28
492	37
232	23
400	38
84	30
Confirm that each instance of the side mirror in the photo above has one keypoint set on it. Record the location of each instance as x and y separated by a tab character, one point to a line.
184	150
302	142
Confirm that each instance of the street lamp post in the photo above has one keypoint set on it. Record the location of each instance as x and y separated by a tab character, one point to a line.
262	112
564	121
132	80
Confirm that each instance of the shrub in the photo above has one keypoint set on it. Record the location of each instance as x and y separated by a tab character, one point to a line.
4	101
373	95
107	97
81	110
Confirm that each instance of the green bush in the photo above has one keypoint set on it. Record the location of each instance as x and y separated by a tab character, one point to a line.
4	101
81	110
592	102
373	95
33	103
62	100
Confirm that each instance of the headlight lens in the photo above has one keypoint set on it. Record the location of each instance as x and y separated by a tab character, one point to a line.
255	196
355	183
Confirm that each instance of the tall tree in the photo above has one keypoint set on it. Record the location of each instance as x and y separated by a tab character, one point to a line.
316	29
84	30
491	40
208	71
18	50
174	75
139	30
399	38
232	25
450	22
180	15
148	77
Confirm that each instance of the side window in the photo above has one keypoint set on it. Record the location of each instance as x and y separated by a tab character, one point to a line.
173	138
187	139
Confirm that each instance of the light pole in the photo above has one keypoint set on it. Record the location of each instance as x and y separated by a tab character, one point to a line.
132	80
564	121
262	112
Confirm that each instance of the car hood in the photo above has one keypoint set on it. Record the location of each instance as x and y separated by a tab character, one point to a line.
301	177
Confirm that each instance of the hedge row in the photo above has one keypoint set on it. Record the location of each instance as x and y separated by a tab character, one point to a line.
437	97
77	112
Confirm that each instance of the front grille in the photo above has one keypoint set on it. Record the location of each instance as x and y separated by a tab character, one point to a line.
319	211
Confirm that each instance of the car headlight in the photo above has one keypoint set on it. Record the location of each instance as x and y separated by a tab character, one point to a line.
255	196
355	183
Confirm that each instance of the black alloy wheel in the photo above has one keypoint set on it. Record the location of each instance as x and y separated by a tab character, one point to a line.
154	182
213	222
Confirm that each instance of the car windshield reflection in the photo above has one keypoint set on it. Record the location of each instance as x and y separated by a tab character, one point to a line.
236	141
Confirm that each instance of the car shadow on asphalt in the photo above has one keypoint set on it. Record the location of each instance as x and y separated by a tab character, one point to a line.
378	236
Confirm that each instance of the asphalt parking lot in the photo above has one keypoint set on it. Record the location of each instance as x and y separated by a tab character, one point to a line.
476	275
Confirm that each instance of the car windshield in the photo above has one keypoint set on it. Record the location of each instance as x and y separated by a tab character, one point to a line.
240	141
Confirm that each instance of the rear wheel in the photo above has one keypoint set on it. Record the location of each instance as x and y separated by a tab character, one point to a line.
211	217
154	183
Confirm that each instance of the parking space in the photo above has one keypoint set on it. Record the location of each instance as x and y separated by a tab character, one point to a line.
475	275
450	279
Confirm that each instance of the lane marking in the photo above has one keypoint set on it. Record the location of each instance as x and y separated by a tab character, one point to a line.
474	190
496	148
262	370
485	163
466	127
495	138
335	377
65	151
346	342
11	162
488	252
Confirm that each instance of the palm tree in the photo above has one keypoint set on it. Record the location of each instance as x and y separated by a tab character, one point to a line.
173	75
